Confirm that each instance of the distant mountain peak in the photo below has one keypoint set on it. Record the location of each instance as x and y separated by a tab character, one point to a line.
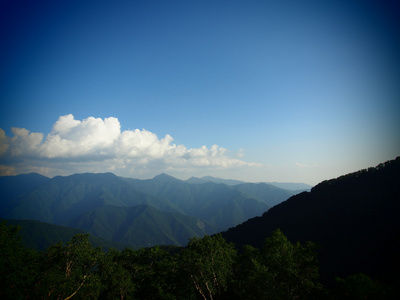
164	177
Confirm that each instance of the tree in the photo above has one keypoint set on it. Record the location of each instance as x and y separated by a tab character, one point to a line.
17	264
295	267
147	273
70	270
208	263
361	286
116	280
280	270
251	275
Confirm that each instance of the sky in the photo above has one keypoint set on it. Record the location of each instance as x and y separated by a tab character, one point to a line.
260	91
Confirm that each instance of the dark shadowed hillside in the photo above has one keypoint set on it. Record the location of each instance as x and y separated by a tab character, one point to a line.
355	219
39	235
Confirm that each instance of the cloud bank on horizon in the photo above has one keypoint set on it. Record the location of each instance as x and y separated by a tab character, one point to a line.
99	145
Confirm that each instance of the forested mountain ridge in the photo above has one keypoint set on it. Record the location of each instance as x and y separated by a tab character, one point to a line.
62	198
141	225
70	200
222	205
354	218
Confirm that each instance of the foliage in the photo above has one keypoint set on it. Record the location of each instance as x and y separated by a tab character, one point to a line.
17	264
116	279
151	271
70	270
208	262
280	270
208	268
360	286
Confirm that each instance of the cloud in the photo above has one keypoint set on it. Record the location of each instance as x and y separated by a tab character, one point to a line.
74	138
98	145
24	143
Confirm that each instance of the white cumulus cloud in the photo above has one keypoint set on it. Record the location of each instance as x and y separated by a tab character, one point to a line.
99	145
24	142
73	138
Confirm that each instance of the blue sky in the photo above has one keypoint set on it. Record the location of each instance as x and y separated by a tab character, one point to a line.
287	90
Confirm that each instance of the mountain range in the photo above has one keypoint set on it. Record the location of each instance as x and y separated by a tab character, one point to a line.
354	219
159	211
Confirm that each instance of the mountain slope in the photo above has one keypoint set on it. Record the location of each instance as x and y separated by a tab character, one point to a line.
293	186
265	193
64	198
219	204
12	186
355	219
141	226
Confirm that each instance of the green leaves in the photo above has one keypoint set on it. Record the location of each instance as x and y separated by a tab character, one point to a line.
280	270
115	277
208	262
208	268
17	264
361	286
71	270
294	267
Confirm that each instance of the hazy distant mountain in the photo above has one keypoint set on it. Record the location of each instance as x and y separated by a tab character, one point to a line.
259	191
213	179
94	201
355	219
220	205
293	186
